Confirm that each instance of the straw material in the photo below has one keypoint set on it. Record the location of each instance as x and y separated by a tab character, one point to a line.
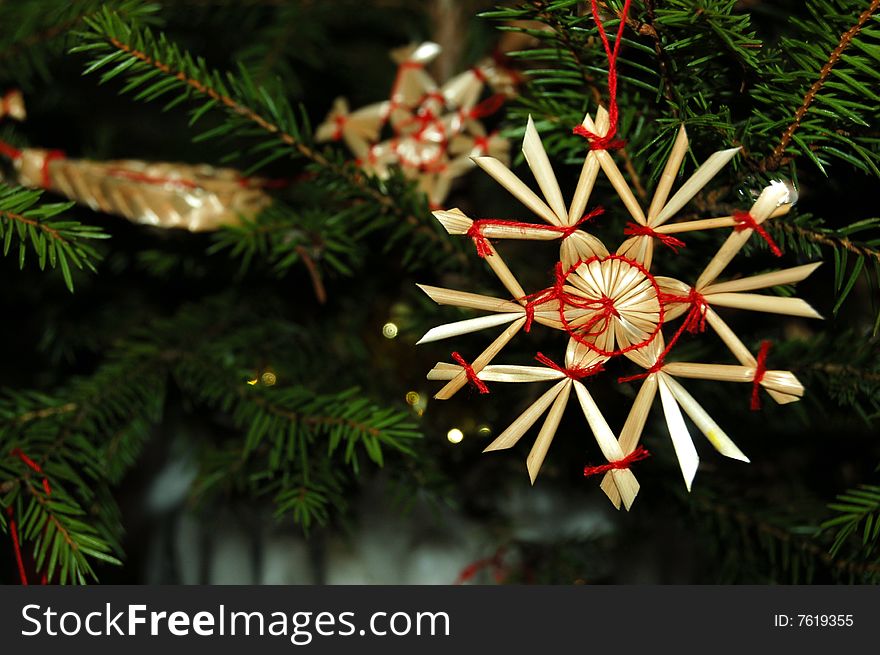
613	305
427	130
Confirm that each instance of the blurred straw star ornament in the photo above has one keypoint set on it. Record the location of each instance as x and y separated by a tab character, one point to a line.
427	130
612	305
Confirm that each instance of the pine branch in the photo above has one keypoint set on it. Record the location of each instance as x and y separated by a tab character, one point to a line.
808	236
156	67
794	552
856	509
664	62
825	74
56	242
775	159
832	238
319	239
42	28
845	365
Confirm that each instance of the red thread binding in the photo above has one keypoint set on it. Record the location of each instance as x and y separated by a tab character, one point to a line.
9	150
534	299
573	373
745	221
607	142
634	229
760	371
340	126
471	374
479	74
45	178
695	320
488	106
481	143
637	455
136	176
484	246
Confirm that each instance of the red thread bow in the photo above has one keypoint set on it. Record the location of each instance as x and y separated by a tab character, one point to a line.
634	229
471	373
608	141
637	455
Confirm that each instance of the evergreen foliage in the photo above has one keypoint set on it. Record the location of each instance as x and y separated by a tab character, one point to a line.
261	343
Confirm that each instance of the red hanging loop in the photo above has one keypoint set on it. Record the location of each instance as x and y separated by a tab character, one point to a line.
607	142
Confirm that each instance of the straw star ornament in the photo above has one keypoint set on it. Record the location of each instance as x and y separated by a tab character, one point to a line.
428	131
612	305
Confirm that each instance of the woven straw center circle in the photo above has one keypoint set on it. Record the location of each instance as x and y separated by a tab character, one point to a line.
611	305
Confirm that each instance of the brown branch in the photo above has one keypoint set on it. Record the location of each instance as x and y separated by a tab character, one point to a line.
344	172
829	240
53	233
45	412
663	61
807	546
41	498
296	417
773	161
40	37
846	370
314	274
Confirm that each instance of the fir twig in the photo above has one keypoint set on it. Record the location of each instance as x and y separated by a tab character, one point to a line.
58	243
775	159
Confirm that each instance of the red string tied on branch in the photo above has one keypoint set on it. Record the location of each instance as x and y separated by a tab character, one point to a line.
16	546
760	371
637	455
472	376
31	464
607	142
745	221
572	373
635	229
495	562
